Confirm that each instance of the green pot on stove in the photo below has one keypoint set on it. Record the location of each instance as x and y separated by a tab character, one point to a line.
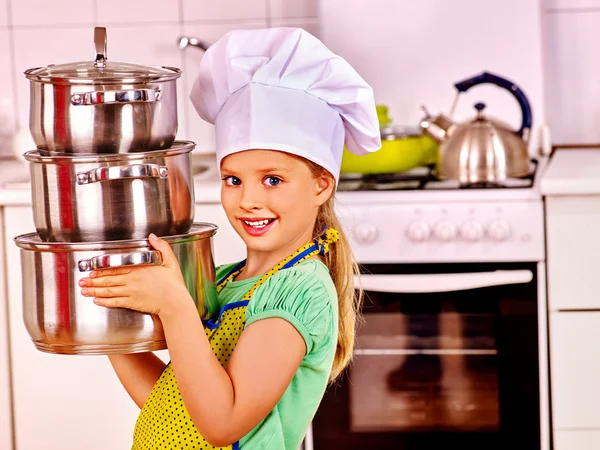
402	149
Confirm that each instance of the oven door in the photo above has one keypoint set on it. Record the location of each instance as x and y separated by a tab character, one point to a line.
446	356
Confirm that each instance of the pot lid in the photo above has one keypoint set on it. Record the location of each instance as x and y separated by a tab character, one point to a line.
390	132
100	70
394	132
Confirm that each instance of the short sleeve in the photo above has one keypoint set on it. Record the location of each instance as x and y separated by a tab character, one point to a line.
305	297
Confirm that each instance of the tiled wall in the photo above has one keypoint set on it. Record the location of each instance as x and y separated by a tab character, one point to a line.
572	67
35	33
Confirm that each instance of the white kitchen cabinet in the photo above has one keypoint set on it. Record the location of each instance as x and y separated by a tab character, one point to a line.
572	202
576	440
575	369
5	397
573	252
228	247
66	402
571	5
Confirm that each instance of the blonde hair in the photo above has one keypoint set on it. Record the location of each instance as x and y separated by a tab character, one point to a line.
342	268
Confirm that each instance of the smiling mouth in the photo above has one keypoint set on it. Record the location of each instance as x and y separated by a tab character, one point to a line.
258	224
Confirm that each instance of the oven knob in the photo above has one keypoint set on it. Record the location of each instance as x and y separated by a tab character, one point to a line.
365	233
471	231
445	231
418	231
499	230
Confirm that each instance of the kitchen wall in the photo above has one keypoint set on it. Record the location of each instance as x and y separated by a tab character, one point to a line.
410	51
35	33
572	68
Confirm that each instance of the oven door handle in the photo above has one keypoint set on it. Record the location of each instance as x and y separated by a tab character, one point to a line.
443	282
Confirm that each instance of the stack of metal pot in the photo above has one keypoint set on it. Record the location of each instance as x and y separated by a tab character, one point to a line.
106	173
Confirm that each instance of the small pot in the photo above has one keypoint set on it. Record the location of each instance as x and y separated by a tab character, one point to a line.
103	106
60	320
112	197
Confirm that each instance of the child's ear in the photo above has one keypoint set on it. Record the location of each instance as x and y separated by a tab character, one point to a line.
324	188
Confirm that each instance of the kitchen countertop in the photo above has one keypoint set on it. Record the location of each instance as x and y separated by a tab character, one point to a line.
572	172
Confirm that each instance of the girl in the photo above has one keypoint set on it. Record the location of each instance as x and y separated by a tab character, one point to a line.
253	375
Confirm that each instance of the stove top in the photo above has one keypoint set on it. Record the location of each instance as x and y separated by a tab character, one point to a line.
413	217
424	178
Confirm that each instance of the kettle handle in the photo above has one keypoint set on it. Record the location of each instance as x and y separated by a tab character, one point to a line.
487	77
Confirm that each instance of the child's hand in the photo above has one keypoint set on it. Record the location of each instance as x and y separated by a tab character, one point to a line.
151	289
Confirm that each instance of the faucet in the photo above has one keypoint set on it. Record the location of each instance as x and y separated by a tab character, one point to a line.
184	41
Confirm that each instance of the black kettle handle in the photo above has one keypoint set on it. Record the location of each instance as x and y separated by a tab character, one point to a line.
487	77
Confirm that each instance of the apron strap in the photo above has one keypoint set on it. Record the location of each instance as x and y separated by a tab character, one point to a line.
319	246
232	273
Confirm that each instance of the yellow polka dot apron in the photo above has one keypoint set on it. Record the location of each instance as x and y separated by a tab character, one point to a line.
164	422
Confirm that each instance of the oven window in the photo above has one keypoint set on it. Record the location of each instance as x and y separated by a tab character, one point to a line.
425	371
446	355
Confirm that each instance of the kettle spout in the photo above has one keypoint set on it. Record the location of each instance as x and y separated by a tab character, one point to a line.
438	127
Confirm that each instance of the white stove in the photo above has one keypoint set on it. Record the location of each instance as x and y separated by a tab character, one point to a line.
421	220
434	258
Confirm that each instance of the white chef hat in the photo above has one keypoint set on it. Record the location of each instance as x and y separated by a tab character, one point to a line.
283	89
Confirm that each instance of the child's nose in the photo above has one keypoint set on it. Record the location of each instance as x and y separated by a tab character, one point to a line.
251	198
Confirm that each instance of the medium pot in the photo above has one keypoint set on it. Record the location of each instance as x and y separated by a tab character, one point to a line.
102	106
403	148
112	197
60	320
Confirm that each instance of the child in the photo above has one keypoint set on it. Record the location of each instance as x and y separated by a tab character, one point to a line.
253	375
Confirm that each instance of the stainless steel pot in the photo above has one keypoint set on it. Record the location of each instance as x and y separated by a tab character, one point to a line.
103	106
60	320
112	197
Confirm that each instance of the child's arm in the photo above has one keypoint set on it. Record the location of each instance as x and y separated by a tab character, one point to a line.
138	374
226	404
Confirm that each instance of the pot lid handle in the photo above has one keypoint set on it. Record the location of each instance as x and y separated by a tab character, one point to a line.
100	46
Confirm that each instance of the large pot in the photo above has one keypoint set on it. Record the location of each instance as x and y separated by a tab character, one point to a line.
102	106
112	197
60	320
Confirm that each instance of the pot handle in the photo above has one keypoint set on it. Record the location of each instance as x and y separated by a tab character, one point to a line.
100	47
120	172
141	258
110	97
487	77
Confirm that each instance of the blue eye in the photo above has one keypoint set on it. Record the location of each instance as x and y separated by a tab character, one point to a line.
232	181
272	181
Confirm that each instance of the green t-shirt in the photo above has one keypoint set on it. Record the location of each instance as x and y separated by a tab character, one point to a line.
305	296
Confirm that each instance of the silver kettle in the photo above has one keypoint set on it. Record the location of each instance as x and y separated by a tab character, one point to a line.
482	150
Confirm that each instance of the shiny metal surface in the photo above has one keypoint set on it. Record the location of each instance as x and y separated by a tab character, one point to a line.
108	97
112	197
60	320
100	47
186	41
56	124
436	126
102	106
479	151
484	152
120	172
110	261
